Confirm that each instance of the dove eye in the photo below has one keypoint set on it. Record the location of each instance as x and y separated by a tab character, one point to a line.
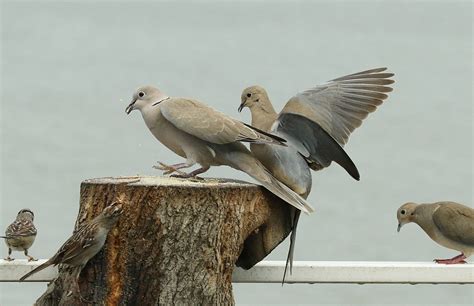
403	212
249	95
141	94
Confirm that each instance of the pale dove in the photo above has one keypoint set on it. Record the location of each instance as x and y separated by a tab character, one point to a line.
210	138
316	123
448	223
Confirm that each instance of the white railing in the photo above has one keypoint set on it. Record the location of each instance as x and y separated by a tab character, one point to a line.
359	272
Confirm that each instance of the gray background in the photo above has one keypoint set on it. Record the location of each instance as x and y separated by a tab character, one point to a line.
68	71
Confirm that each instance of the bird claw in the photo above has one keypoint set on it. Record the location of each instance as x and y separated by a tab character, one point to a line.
168	169
187	176
31	258
451	261
83	299
9	259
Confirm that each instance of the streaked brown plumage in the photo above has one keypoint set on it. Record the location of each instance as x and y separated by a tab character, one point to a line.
20	235
85	242
449	224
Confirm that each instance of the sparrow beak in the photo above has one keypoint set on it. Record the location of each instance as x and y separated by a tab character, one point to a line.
117	208
241	106
130	107
399	227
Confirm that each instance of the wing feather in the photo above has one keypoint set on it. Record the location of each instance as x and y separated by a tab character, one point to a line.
456	222
211	125
340	105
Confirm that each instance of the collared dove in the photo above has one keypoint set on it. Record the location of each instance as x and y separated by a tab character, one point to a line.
210	138
317	124
449	224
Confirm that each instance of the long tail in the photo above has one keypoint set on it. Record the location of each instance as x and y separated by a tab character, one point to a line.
251	166
291	251
37	269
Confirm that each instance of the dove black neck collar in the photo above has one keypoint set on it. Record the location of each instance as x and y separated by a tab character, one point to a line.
158	102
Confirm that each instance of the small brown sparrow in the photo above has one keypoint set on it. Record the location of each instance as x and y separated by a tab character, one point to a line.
21	234
84	243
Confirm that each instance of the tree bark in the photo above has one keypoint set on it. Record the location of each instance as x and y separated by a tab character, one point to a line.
176	242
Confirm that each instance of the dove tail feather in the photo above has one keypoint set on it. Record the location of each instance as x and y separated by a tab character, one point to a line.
37	269
291	250
285	193
250	165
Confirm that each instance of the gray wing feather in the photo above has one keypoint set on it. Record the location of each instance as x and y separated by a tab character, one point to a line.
456	222
314	143
340	105
211	125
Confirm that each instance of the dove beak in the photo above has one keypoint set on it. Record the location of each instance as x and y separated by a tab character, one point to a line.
130	107
399	227
241	106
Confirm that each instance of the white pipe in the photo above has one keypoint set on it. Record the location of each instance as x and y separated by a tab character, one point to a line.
359	272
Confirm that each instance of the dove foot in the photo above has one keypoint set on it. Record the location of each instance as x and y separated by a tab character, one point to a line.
192	174
168	169
9	258
451	261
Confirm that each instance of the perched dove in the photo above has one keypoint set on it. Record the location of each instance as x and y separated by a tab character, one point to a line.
207	137
316	123
448	223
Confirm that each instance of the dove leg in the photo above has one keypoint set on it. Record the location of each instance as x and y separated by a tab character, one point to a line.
192	173
30	258
172	168
455	260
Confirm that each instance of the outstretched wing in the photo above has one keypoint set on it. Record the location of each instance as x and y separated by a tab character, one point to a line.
340	105
211	125
318	121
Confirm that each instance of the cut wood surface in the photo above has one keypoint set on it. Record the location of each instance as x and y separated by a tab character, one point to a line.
177	241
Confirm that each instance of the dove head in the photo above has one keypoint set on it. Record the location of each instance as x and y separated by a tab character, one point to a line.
255	98
145	96
406	214
25	214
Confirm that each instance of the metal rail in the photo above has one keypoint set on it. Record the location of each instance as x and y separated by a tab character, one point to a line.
348	272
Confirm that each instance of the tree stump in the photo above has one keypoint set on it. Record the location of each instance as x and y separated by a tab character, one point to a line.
176	242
